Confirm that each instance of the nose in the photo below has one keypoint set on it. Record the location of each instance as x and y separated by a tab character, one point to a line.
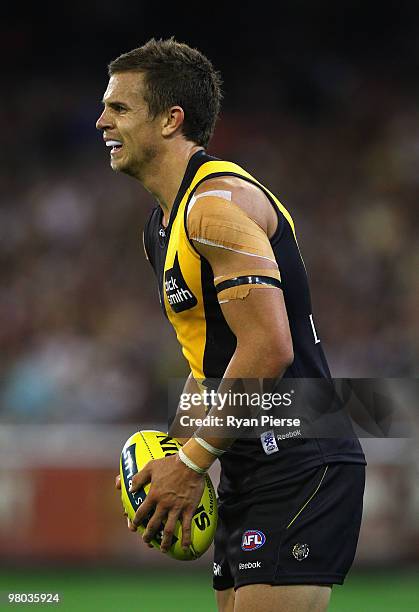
103	122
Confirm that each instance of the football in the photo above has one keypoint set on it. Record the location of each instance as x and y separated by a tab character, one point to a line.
138	450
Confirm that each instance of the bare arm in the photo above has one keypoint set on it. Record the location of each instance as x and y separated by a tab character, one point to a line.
190	387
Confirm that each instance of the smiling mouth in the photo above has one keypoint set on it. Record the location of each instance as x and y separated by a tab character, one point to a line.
115	145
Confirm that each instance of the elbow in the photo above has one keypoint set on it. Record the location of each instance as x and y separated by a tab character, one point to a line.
265	356
282	351
288	358
284	359
280	357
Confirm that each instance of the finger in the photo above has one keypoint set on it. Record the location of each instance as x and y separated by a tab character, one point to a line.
134	529
117	482
169	530
154	524
143	511
141	478
186	529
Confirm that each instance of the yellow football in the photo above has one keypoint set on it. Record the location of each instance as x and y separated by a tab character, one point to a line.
138	450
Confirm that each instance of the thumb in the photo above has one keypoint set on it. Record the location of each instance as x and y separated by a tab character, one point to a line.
141	478
117	482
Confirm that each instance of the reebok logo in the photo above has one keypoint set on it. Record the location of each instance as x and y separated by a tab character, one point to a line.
179	296
250	565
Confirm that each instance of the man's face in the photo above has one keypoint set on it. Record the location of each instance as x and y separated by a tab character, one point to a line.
128	130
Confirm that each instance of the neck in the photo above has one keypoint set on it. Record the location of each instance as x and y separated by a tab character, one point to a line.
165	176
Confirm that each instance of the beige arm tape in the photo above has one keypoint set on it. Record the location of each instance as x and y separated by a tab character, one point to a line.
239	293
218	222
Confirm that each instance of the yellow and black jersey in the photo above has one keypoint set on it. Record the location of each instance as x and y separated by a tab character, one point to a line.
188	294
188	297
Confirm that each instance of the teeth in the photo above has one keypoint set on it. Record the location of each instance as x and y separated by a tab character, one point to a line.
113	143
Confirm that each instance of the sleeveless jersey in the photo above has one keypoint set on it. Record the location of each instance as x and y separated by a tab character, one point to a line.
189	300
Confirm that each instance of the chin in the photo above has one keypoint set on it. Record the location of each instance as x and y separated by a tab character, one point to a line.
124	168
117	166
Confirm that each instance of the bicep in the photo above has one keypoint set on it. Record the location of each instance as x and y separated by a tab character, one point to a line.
255	312
260	323
246	275
260	319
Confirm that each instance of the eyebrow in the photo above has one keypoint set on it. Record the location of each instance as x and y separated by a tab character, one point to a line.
114	103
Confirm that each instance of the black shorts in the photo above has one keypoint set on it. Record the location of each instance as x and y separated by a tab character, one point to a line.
305	531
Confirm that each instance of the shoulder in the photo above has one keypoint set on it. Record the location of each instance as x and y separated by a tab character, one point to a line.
224	214
248	197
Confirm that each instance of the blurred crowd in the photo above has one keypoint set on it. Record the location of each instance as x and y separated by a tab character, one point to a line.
82	336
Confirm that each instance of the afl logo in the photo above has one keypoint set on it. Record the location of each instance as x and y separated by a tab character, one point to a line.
253	539
300	551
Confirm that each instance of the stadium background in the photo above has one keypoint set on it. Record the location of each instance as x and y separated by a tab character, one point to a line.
321	104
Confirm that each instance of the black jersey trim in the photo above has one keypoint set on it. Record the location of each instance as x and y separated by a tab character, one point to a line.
148	237
248	280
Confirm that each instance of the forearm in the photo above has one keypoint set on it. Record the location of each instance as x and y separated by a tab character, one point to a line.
249	363
189	389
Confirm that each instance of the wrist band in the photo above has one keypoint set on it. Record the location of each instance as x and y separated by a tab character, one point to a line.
185	459
211	449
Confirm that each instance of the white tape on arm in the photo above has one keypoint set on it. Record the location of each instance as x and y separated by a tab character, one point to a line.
211	449
188	462
225	195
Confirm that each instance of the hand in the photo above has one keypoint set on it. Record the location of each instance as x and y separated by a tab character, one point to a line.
175	493
129	523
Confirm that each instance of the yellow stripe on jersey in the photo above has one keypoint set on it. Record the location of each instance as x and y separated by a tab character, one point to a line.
190	324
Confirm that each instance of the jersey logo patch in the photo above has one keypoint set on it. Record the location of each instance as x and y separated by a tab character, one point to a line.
253	539
269	443
179	296
300	551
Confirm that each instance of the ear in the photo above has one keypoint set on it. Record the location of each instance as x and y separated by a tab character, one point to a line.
172	120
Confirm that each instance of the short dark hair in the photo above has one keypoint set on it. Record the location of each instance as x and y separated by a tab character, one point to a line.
176	74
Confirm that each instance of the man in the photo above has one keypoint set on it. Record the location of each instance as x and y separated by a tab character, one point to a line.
232	283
